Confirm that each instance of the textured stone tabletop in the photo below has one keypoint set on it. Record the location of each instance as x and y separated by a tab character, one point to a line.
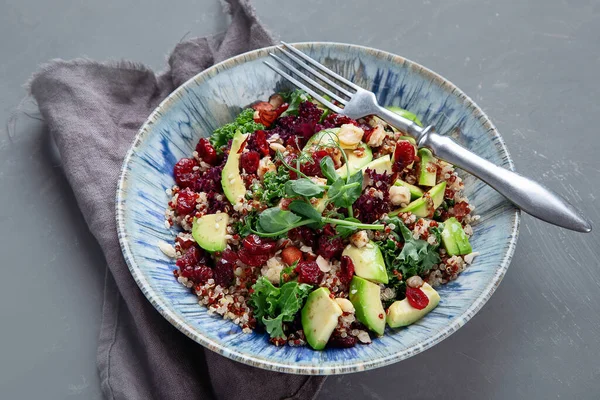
531	65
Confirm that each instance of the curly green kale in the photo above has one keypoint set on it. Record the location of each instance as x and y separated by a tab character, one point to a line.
273	186
244	123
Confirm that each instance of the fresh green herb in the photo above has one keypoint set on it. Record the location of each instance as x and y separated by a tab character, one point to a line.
244	123
245	225
294	99
343	193
286	273
305	210
275	305
303	187
328	169
417	256
346	230
275	219
272	188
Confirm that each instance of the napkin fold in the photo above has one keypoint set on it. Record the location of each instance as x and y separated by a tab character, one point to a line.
93	111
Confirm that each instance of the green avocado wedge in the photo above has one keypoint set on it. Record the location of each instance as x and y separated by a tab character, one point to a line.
401	313
319	318
454	238
415	191
426	205
366	299
368	262
231	180
209	231
427	168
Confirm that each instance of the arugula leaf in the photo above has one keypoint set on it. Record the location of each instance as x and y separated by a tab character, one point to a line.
272	188
244	123
303	187
328	169
273	306
305	210
275	219
294	99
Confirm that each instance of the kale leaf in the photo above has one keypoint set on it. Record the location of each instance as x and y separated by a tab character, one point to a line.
244	123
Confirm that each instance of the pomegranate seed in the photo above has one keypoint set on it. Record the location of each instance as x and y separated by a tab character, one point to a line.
416	298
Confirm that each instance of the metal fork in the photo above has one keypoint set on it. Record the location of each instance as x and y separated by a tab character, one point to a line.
528	195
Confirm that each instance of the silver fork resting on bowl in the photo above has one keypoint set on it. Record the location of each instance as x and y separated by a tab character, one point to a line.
528	195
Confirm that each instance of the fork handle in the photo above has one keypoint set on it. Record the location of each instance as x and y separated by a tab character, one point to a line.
528	195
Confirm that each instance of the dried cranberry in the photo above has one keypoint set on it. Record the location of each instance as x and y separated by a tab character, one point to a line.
330	246
258	142
346	270
416	298
186	201
206	151
304	235
184	172
190	258
249	161
313	168
254	244
282	108
202	273
223	271
338	120
404	155
253	260
309	272
184	243
461	209
342	342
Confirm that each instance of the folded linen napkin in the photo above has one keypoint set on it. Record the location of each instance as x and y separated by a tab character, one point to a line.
93	111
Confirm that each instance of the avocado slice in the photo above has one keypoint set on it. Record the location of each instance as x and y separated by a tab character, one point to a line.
455	239
231	180
380	165
366	299
368	262
324	138
427	168
209	231
401	313
426	205
355	163
406	114
319	318
415	191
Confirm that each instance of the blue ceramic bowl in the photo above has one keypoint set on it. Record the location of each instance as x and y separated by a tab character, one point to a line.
213	98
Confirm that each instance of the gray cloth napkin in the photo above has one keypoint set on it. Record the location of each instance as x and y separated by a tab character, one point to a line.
93	111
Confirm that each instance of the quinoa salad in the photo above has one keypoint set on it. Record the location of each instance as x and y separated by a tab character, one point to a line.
315	228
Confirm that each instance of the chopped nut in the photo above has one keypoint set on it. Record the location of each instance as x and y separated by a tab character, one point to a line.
265	165
167	249
345	305
414	281
399	195
359	239
377	136
350	136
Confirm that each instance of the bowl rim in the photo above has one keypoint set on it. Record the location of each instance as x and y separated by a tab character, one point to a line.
160	303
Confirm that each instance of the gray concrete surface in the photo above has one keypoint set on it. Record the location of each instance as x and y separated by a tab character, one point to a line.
531	65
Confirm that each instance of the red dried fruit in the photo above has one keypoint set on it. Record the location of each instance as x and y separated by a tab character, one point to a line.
253	260
254	244
184	243
223	271
258	142
282	108
202	273
330	247
249	161
206	151
404	154
461	210
339	120
191	257
304	235
266	113
346	270
314	168
309	272
291	254
186	201
416	298
276	100
184	173
342	342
